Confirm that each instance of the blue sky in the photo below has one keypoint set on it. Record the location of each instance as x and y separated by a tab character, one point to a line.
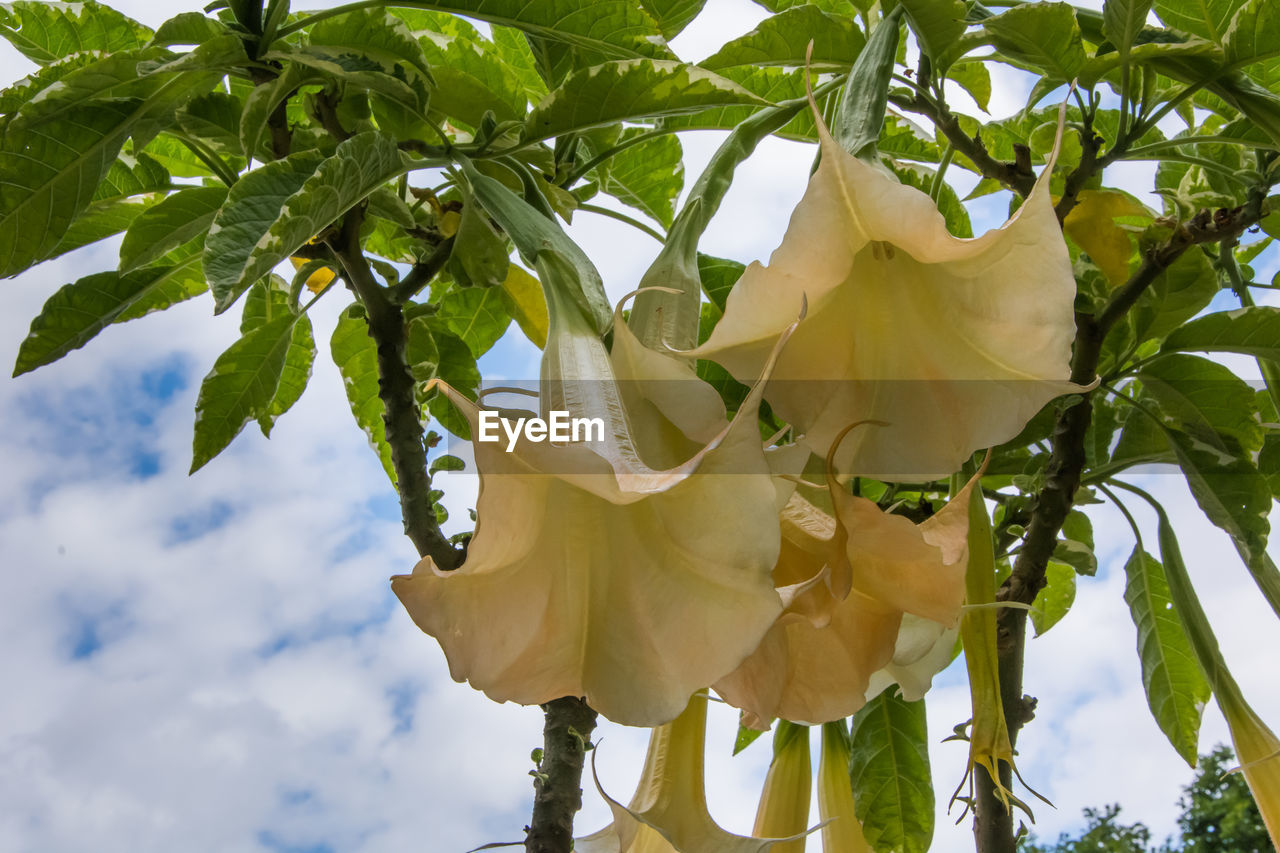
216	663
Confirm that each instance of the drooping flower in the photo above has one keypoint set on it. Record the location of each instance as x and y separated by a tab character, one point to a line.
818	661
631	571
1258	750
955	343
668	813
784	800
841	830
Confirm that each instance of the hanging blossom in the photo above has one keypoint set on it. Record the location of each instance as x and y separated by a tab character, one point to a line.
846	638
668	812
632	571
955	343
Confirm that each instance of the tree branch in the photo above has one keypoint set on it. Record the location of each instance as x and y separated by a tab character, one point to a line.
402	416
993	827
557	782
421	273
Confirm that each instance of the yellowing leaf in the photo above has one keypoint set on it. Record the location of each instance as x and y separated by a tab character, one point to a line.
318	280
529	306
1091	224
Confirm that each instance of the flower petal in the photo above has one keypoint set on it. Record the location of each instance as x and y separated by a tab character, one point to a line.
955	343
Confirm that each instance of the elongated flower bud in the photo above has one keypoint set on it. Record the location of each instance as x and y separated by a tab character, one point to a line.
841	830
784	802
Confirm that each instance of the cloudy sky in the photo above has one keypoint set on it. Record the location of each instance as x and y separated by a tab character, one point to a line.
216	663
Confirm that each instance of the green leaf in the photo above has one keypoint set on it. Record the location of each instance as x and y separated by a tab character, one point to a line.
1075	548
630	89
1056	598
1177	295
480	252
241	387
889	768
79	311
477	315
1122	20
447	463
262	100
1044	36
648	176
214	119
253	205
46	32
471	81
356	357
770	83
49	173
367	45
1205	18
189	28
672	15
1175	685
358	166
113	76
1205	400
745	738
512	48
949	204
457	366
975	79
860	115
938	25
718	277
612	27
1254	331
21	92
299	357
783	40
175	220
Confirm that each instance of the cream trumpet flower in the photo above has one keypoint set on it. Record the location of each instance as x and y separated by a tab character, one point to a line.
841	830
594	572
1257	748
784	800
955	343
818	661
668	813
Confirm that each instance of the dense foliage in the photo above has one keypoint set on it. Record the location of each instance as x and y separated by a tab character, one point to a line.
399	153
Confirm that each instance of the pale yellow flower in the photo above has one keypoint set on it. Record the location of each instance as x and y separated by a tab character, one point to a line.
841	830
631	571
668	813
1258	750
818	662
954	343
784	801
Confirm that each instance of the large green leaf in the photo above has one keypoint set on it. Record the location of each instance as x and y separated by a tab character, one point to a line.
359	166
1205	18
718	277
79	311
268	300
472	80
771	83
175	220
252	207
889	768
513	49
612	27
1044	36
1175	685
188	28
1122	20
356	356
369	43
241	387
1177	295
49	173
631	89
477	315
1254	331
648	176
46	32
214	119
1205	400
263	100
938	25
113	76
783	40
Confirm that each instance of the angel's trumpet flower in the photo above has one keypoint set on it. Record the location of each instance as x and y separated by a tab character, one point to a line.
955	343
631	571
841	830
784	801
816	664
668	813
